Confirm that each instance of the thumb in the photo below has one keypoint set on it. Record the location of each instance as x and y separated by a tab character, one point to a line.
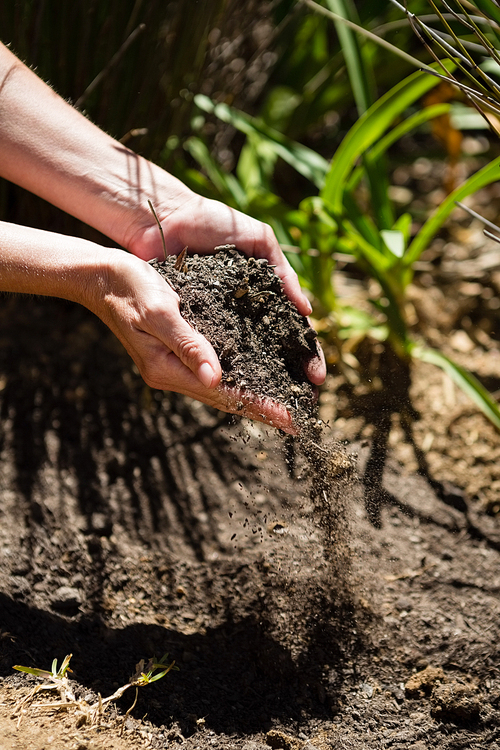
196	352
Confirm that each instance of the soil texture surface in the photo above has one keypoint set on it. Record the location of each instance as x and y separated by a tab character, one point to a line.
238	304
135	523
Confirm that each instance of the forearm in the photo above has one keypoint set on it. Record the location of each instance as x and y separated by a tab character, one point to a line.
51	149
36	262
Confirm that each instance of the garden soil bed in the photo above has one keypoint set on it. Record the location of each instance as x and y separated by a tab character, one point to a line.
135	523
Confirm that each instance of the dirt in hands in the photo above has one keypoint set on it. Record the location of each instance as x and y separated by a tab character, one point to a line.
239	305
263	343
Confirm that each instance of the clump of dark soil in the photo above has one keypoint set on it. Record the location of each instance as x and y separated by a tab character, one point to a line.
239	305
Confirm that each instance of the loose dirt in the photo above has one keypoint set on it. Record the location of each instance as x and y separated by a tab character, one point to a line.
238	304
135	523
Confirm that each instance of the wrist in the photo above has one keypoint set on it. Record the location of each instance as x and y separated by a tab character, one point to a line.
140	233
33	261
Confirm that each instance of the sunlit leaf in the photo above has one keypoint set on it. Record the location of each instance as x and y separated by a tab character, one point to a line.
368	129
394	241
467	382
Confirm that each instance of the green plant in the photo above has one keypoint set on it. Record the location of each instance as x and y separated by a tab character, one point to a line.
54	674
56	679
343	220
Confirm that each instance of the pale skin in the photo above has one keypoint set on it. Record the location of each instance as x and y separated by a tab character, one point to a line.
52	150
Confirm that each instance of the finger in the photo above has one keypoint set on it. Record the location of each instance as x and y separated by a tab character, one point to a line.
195	352
258	408
218	225
315	367
170	332
173	375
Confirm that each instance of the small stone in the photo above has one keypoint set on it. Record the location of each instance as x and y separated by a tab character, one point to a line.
367	689
404	604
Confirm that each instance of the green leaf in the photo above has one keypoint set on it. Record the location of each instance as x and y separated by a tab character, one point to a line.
406	126
467	382
360	75
466	118
227	185
379	263
279	106
256	164
36	672
394	241
368	129
404	224
354	322
485	176
304	160
489	8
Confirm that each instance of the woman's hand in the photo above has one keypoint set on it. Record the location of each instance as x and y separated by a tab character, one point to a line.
142	310
49	148
202	224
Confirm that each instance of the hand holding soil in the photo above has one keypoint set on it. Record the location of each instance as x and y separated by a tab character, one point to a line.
267	350
221	331
98	180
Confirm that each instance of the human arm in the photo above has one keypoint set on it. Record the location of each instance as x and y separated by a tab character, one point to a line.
51	149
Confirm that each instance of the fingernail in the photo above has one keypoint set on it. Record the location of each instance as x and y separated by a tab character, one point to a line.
308	306
206	374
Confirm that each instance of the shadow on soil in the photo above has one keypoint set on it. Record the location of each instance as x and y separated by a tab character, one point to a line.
237	676
265	663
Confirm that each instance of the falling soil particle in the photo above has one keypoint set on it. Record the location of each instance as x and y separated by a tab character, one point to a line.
263	343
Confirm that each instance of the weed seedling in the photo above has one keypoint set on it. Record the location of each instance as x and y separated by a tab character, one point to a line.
92	714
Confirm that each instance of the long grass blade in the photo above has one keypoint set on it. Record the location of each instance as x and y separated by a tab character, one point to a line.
367	131
360	75
467	382
485	176
368	34
408	125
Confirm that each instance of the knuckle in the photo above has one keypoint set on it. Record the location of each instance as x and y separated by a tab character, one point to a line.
188	349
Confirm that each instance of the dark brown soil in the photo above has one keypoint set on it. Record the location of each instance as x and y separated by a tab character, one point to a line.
134	523
238	304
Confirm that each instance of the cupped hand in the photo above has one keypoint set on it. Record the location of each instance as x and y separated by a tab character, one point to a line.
202	224
142	310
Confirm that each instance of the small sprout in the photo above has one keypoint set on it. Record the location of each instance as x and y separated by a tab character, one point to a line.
89	714
147	676
54	674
